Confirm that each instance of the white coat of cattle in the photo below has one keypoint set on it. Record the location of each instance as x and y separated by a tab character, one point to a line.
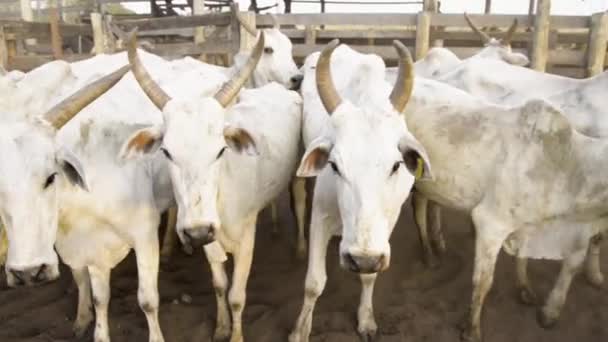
439	60
531	182
365	160
33	164
226	164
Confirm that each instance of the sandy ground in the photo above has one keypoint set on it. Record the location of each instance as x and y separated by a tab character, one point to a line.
411	302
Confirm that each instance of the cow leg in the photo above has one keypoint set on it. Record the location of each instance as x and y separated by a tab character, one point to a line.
298	190
549	313
316	276
170	235
434	217
220	284
243	257
367	324
490	235
147	255
592	265
84	316
420	204
526	294
100	284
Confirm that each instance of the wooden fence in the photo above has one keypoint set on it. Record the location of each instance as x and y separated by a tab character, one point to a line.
568	45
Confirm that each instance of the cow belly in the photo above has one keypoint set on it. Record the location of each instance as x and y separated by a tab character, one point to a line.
98	246
553	241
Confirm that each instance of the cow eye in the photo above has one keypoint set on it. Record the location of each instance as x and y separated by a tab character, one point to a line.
268	50
396	167
334	167
166	153
50	180
221	153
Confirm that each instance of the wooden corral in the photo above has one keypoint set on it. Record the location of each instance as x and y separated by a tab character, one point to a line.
568	45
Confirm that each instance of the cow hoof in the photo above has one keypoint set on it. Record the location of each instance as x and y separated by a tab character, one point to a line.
545	320
596	279
295	337
527	296
468	335
301	253
235	338
80	330
221	334
367	336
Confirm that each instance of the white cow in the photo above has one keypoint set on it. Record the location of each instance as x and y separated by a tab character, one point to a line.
33	163
532	183
226	164
439	60
372	159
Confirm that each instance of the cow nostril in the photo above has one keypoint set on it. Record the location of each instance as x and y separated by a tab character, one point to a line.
352	263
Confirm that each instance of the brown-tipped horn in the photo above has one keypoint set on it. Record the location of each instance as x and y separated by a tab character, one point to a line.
229	90
325	85
509	36
147	84
65	110
484	37
246	25
405	81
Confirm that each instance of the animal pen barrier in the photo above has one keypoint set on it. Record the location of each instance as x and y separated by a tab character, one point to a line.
568	45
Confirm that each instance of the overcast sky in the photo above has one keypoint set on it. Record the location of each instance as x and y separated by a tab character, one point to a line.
558	7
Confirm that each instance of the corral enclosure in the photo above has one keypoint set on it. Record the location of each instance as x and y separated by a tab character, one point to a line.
567	45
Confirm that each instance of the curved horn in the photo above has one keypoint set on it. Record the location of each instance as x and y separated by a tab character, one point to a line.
246	25
232	87
147	84
65	110
484	37
405	81
507	39
325	85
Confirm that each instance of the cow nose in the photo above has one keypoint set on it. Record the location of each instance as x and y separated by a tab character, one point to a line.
364	263
296	82
199	236
30	275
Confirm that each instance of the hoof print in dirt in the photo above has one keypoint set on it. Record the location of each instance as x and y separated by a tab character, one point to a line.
544	320
527	297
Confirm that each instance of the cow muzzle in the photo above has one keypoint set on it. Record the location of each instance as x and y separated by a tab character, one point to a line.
295	82
199	236
364	263
29	276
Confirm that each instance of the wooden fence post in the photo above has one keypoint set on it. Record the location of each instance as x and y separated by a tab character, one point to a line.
311	35
3	49
97	27
56	41
596	52
423	34
247	41
199	32
540	48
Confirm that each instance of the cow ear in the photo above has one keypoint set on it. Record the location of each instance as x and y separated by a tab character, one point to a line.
514	58
415	158
143	141
315	158
72	169
239	139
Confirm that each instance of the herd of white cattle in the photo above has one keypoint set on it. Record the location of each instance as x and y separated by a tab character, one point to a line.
94	151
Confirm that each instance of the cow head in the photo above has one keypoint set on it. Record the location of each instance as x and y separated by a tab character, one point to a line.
31	170
276	63
499	48
372	161
195	140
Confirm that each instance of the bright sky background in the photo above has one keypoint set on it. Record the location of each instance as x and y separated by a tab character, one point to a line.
558	7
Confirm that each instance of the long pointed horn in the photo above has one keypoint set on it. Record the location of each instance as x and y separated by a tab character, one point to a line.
246	25
156	94
405	81
65	110
325	84
229	90
484	37
507	39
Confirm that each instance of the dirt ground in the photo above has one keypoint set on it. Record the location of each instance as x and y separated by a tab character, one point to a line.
411	302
